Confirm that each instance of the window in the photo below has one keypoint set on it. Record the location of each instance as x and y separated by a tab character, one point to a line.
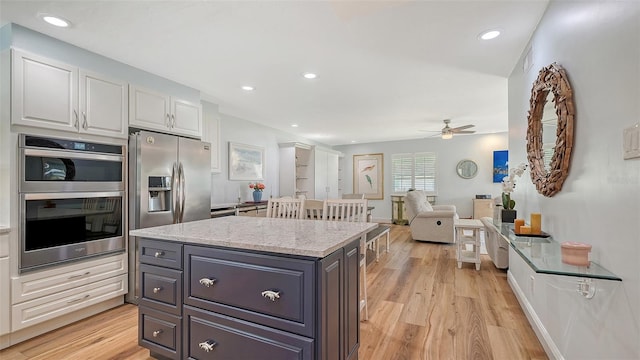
414	171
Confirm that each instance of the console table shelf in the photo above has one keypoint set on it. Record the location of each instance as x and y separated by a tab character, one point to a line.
544	256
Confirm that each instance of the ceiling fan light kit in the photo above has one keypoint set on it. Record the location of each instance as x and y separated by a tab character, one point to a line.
447	132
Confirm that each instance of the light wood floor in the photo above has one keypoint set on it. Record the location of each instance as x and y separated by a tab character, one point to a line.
421	306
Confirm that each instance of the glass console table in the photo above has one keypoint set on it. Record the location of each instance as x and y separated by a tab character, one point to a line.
544	256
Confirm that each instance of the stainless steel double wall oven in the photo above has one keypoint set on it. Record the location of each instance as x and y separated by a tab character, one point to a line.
72	197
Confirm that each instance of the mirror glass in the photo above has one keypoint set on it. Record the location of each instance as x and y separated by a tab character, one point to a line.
549	127
467	169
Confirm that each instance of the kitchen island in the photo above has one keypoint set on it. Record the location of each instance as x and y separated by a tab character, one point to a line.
243	288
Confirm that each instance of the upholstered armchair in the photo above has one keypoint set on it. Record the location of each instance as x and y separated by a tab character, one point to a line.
427	222
497	246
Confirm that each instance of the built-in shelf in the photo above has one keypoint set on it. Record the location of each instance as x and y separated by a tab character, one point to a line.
544	256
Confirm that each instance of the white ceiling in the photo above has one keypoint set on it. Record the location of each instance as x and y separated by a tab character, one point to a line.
386	69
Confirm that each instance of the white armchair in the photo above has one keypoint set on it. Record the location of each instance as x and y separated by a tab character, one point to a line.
427	222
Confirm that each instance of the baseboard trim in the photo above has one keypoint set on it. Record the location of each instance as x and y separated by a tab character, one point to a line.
541	332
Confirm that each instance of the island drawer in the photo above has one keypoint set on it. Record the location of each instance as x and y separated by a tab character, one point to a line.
161	253
266	289
160	332
215	336
161	288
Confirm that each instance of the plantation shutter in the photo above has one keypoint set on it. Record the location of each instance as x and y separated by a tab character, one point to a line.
402	172
425	172
414	171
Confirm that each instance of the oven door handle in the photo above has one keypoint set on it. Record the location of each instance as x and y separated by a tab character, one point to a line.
71	155
182	192
175	198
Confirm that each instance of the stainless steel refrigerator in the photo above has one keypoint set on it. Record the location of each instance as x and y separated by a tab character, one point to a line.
169	183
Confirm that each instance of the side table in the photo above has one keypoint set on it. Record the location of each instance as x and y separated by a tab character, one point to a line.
462	240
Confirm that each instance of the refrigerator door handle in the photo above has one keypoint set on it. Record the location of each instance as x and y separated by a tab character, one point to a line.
182	191
175	198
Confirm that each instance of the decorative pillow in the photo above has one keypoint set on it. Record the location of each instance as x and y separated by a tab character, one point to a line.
418	201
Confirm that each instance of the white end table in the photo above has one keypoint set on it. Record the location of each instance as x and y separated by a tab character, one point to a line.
462	254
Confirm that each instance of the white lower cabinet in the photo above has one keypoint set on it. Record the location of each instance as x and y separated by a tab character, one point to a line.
44	295
5	304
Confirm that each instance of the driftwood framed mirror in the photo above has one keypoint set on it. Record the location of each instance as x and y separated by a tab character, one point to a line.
549	160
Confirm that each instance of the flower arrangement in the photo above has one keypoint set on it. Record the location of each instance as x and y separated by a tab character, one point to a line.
256	186
509	184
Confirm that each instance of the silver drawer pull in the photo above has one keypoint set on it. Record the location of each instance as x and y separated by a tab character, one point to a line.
207	345
157	290
79	299
79	275
156	333
159	254
207	282
271	295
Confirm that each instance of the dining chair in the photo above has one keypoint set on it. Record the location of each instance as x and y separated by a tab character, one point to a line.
285	208
313	209
352	210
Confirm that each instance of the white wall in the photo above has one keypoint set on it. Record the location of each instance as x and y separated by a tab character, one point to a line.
598	44
452	189
233	129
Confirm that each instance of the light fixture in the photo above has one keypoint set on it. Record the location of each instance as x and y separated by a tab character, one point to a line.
447	135
247	88
55	20
310	76
294	125
489	34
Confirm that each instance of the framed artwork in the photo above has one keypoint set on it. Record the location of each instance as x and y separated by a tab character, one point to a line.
368	176
500	165
246	162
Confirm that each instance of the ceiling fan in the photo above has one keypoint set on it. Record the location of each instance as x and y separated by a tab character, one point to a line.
447	131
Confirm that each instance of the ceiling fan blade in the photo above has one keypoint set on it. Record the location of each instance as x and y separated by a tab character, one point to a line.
462	127
464	132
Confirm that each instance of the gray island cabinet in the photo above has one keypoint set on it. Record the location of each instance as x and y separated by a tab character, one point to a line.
250	288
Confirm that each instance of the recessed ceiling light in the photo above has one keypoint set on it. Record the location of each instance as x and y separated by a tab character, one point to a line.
490	34
353	141
310	76
55	20
248	88
294	125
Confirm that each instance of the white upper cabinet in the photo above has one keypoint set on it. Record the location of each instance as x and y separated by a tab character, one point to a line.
156	111
44	93
53	95
103	105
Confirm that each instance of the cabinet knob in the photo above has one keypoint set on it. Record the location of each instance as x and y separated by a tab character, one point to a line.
159	254
156	333
271	295
157	290
207	282
207	345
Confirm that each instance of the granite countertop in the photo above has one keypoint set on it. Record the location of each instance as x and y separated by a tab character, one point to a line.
4	229
314	238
